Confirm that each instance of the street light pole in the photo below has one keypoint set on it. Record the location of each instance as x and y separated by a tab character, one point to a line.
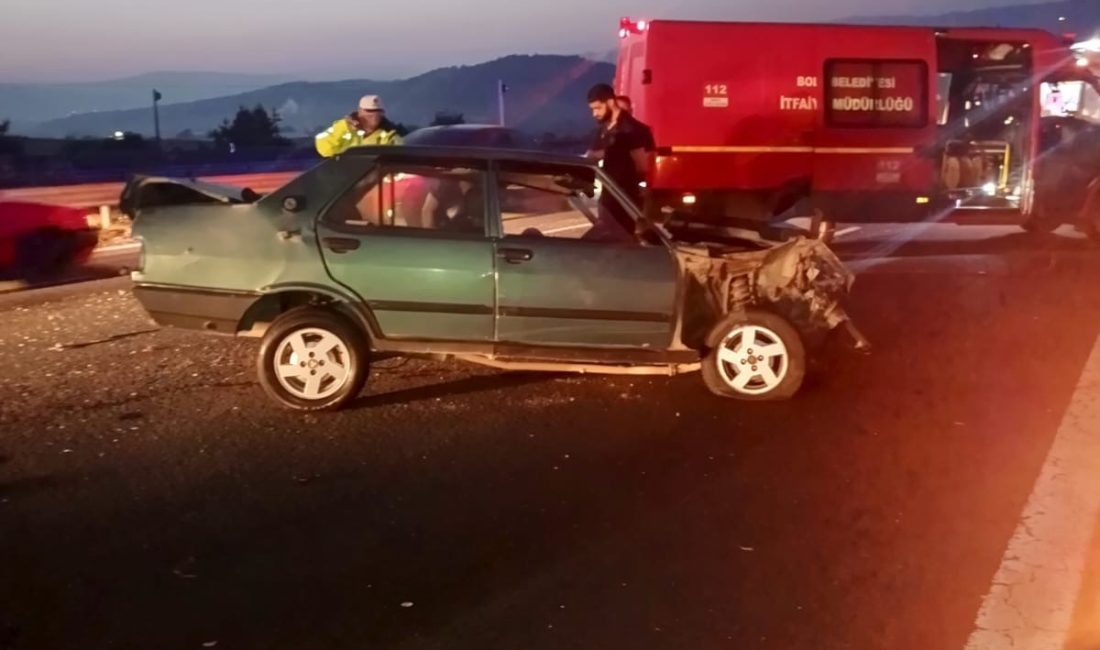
501	89
156	113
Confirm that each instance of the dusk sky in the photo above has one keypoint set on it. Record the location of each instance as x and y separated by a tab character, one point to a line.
68	40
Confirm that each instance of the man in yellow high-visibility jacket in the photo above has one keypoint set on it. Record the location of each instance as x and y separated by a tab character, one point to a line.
366	126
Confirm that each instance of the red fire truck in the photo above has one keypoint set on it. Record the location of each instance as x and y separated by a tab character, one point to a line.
863	123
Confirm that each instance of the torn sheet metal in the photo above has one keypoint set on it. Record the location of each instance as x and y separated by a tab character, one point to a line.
803	275
155	191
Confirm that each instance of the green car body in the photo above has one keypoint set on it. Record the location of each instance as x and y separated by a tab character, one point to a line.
220	260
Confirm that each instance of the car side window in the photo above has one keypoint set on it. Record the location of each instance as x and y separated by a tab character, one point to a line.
559	202
432	198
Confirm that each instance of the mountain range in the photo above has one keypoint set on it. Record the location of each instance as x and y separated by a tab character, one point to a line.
545	92
29	104
542	95
1081	17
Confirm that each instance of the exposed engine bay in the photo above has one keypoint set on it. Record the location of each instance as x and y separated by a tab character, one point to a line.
802	279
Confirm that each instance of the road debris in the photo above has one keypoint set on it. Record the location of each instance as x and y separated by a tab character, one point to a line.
59	347
407	604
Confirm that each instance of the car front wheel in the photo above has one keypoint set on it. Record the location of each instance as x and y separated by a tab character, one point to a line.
755	355
313	359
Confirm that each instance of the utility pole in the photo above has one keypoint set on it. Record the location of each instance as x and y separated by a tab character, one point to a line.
501	89
156	113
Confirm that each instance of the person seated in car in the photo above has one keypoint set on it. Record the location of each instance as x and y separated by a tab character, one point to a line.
457	205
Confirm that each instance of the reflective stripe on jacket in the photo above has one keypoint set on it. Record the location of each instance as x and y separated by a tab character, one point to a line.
341	136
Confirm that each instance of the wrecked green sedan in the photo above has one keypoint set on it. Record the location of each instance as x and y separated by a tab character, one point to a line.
508	259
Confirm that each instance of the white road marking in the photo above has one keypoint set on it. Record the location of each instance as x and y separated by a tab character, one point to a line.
1031	602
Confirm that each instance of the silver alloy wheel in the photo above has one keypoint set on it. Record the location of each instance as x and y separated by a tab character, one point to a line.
312	363
753	360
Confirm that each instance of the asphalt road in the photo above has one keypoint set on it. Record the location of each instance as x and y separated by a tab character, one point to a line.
150	497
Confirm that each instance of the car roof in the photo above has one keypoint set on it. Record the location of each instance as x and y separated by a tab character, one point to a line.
465	127
469	153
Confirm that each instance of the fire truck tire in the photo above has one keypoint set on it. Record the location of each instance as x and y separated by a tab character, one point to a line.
1039	222
1092	226
1091	212
1037	225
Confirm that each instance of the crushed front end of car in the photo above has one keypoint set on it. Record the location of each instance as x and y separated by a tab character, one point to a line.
801	280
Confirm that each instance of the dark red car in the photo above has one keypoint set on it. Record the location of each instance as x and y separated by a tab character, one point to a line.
38	239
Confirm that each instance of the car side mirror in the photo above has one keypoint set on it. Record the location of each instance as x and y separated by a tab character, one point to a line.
294	204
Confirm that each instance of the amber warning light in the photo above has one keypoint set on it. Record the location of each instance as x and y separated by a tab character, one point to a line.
629	26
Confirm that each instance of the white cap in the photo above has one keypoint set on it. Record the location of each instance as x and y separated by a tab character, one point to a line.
370	103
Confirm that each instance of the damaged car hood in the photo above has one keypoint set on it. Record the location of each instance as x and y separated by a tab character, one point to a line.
802	276
157	191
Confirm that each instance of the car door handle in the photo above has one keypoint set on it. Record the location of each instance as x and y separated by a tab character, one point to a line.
515	255
340	244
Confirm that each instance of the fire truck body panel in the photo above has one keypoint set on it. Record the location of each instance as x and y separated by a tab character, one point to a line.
859	121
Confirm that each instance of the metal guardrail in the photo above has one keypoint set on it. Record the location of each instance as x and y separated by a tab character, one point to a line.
35	172
98	195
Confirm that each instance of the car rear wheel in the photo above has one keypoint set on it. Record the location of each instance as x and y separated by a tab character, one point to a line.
42	253
313	359
755	355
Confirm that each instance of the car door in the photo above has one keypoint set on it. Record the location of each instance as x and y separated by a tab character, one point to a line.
563	279
410	240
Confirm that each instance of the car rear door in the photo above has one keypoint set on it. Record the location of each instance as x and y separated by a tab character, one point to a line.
423	277
561	280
